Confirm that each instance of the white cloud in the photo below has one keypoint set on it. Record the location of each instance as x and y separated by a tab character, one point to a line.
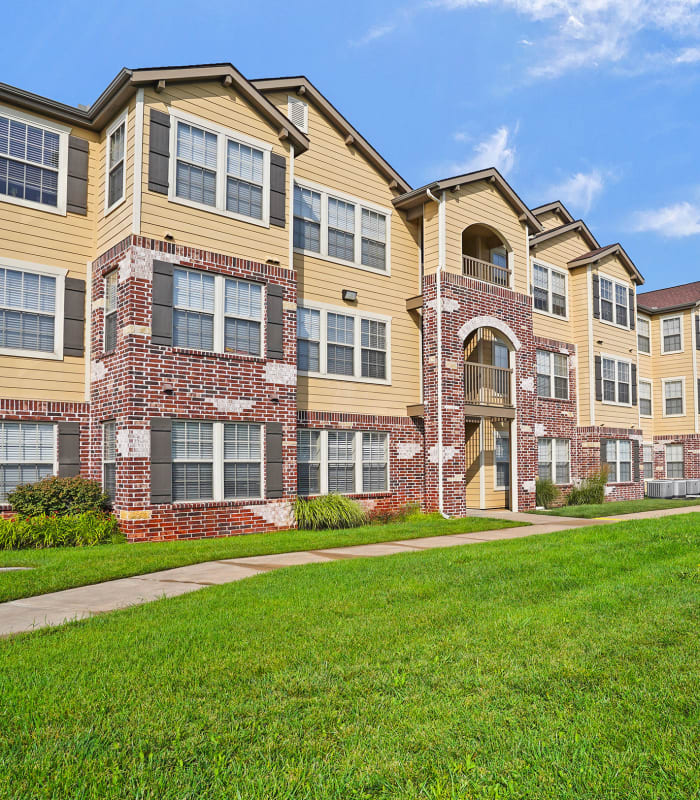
674	221
496	150
579	191
688	56
374	33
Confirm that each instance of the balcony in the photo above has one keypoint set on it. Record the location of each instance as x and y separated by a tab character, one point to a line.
487	391
485	271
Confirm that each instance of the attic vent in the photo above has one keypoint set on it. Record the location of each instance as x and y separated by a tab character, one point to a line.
298	113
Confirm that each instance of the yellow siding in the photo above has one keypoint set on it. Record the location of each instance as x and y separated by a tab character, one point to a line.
47	239
473	464
206	229
549	220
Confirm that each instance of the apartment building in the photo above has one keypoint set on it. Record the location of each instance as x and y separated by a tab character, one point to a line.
216	295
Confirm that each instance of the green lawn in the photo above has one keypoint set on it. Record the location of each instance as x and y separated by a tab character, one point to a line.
618	507
63	568
556	667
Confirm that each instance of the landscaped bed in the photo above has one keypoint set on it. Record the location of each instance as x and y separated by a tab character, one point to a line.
63	568
618	507
557	667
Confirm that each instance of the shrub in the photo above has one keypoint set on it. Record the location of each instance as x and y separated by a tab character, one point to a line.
40	531
58	497
546	493
591	491
398	514
330	511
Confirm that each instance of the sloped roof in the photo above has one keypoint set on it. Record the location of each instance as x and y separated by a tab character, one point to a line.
683	296
301	85
609	250
557	206
577	225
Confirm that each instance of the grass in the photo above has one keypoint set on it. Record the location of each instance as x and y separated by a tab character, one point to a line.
557	667
617	508
64	568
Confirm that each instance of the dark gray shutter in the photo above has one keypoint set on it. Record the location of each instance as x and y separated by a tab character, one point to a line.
76	200
159	152
598	378
162	294
273	459
635	462
278	189
596	297
68	449
697	332
634	384
74	317
275	321
161	460
632	307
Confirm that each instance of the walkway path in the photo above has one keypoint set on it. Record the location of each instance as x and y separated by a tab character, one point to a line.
55	608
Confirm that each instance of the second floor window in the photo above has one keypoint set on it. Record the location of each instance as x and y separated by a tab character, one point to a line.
645	398
643	335
552	375
27	311
671	337
616	381
673	398
116	174
614	299
549	290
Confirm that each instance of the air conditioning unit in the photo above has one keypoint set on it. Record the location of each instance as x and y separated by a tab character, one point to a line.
679	488
692	487
660	489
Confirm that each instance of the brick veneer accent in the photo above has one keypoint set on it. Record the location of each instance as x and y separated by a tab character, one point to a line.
691	454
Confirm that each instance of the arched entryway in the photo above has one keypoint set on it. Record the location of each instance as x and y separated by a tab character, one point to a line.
486	255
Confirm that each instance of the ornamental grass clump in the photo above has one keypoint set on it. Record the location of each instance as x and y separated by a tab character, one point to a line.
41	531
546	493
328	512
591	491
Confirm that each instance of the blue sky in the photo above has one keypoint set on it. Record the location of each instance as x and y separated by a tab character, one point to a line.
594	102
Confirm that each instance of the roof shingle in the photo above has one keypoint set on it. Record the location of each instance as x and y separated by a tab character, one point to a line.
685	294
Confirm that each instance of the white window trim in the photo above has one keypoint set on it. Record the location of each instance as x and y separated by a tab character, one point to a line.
325	309
323	463
664	381
617	461
613	323
551	267
359	204
122	119
650	383
220	316
652	462
648	321
62	186
552	376
616	359
4	503
553	461
496	434
55	272
662	337
666	459
222	134
218	463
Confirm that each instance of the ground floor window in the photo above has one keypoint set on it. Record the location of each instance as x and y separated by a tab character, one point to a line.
674	460
502	459
616	454
554	460
109	458
648	456
27	454
345	462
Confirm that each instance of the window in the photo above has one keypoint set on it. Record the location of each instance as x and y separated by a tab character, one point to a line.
645	398
28	305
549	290
109	458
553	460
110	334
116	173
237	470
340	228
643	335
502	459
671	335
673	397
552	375
616	454
616	381
648	461
27	454
33	159
345	462
674	461
614	302
221	170
334	344
197	325
298	113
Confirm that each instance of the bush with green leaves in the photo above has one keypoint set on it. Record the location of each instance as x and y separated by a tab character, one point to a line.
330	511
41	531
546	493
591	490
58	497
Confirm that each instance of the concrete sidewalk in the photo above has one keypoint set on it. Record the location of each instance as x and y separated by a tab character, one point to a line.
31	613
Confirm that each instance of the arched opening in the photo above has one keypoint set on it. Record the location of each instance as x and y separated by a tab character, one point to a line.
486	255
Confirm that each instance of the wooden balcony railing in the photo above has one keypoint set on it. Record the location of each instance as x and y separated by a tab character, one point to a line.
487	386
485	271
